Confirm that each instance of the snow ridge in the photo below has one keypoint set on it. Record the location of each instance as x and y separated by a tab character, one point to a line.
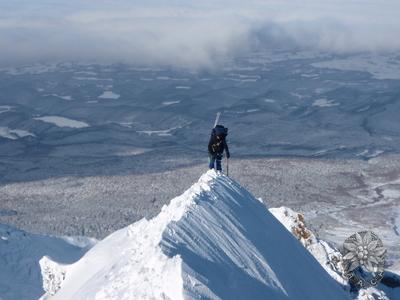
20	252
331	259
327	255
215	241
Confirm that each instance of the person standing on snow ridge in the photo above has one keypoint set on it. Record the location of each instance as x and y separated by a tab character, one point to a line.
216	147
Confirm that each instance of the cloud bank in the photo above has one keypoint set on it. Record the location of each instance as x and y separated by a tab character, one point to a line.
190	33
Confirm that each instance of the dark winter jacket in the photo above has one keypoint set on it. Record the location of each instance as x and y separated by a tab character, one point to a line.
217	146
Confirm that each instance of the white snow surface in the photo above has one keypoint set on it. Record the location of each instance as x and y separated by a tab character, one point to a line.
14	134
167	103
327	255
163	132
324	103
215	241
68	98
5	108
109	95
20	252
62	121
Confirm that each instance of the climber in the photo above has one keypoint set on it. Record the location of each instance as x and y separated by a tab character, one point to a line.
216	147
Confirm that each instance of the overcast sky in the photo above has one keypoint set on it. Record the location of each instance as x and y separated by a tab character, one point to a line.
189	33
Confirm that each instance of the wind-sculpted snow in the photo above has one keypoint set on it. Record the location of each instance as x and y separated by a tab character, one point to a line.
327	255
215	241
20	252
331	258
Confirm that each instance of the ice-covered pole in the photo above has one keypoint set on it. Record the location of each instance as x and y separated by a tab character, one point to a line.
227	166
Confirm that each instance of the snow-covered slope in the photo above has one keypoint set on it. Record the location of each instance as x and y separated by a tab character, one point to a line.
327	255
216	241
20	252
331	259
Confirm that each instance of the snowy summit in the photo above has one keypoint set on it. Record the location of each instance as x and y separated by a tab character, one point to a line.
215	241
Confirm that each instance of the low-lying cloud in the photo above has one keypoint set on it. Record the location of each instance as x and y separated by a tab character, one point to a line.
190	33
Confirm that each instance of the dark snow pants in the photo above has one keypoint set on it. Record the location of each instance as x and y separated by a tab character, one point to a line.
215	160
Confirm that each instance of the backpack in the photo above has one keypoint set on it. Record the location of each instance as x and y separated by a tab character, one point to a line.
219	130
